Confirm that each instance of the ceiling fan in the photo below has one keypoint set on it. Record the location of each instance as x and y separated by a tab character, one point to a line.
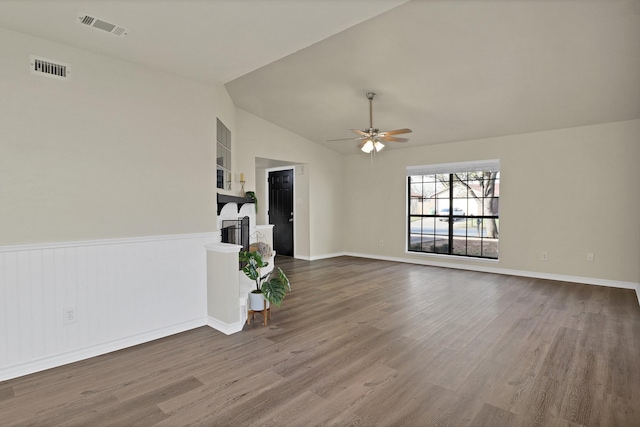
372	138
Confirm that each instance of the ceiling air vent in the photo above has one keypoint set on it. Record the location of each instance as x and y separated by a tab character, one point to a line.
49	68
114	29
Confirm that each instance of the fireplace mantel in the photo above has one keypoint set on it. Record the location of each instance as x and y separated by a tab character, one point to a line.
223	199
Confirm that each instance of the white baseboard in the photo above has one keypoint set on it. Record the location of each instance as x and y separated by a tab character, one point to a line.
225	328
522	273
324	256
97	350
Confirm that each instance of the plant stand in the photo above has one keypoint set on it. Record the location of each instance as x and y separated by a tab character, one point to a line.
266	314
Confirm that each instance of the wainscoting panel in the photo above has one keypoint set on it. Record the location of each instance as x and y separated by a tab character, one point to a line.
121	292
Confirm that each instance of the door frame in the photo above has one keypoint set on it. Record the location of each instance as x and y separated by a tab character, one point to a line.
292	168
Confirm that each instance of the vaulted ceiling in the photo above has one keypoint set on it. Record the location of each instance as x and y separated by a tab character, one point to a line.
450	70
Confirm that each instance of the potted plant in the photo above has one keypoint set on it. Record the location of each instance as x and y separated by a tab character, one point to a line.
271	289
252	195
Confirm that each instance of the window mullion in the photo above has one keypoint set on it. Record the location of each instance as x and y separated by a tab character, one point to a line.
450	214
427	199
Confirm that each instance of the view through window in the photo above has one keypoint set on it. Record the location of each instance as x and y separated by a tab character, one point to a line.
454	209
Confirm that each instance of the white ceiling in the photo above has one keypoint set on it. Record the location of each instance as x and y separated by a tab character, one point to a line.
450	70
213	41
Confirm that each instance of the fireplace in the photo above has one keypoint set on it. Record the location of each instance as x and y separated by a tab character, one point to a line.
236	231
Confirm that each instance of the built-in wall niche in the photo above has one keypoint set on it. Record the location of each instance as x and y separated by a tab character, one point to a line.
223	156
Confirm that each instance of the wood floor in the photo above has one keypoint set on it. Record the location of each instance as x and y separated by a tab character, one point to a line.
364	342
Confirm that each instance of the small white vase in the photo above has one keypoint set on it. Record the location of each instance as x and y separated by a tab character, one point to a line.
256	302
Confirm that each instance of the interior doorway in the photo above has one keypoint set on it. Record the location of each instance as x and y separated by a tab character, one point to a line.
280	211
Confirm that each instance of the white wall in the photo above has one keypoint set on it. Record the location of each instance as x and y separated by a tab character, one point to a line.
319	185
567	192
107	197
118	151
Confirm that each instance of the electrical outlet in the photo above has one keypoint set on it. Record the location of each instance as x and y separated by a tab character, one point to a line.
381	242
590	257
544	256
69	315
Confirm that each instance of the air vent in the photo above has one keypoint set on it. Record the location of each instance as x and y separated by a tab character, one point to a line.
49	68
91	21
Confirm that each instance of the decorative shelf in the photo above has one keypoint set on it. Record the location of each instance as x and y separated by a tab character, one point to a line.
223	199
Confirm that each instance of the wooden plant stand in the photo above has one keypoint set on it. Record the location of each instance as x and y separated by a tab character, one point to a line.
266	314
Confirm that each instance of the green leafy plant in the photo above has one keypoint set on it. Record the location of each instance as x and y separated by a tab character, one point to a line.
252	195
274	288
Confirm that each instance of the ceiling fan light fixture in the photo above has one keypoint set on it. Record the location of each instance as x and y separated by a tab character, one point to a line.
368	146
371	136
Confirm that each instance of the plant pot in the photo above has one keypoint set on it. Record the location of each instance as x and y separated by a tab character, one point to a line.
257	302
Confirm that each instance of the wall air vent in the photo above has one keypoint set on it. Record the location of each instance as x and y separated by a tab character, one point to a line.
49	68
91	21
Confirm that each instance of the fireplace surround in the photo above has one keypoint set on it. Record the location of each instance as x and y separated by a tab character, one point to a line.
236	231
228	288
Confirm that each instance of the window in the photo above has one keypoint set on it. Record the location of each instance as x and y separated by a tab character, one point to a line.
453	209
223	156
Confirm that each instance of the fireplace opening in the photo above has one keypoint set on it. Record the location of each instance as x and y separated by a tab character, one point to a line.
236	231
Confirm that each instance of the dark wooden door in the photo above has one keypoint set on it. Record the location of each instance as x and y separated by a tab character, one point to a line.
281	210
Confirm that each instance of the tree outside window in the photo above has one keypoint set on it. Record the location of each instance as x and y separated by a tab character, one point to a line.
454	213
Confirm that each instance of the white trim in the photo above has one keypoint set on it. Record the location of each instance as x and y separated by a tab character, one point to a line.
323	256
38	365
448	168
451	257
225	328
533	274
119	241
226	248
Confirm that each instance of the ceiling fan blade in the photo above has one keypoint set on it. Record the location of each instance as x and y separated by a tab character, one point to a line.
397	131
393	139
359	132
347	139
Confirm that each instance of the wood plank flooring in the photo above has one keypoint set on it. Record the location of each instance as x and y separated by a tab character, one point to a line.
365	342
